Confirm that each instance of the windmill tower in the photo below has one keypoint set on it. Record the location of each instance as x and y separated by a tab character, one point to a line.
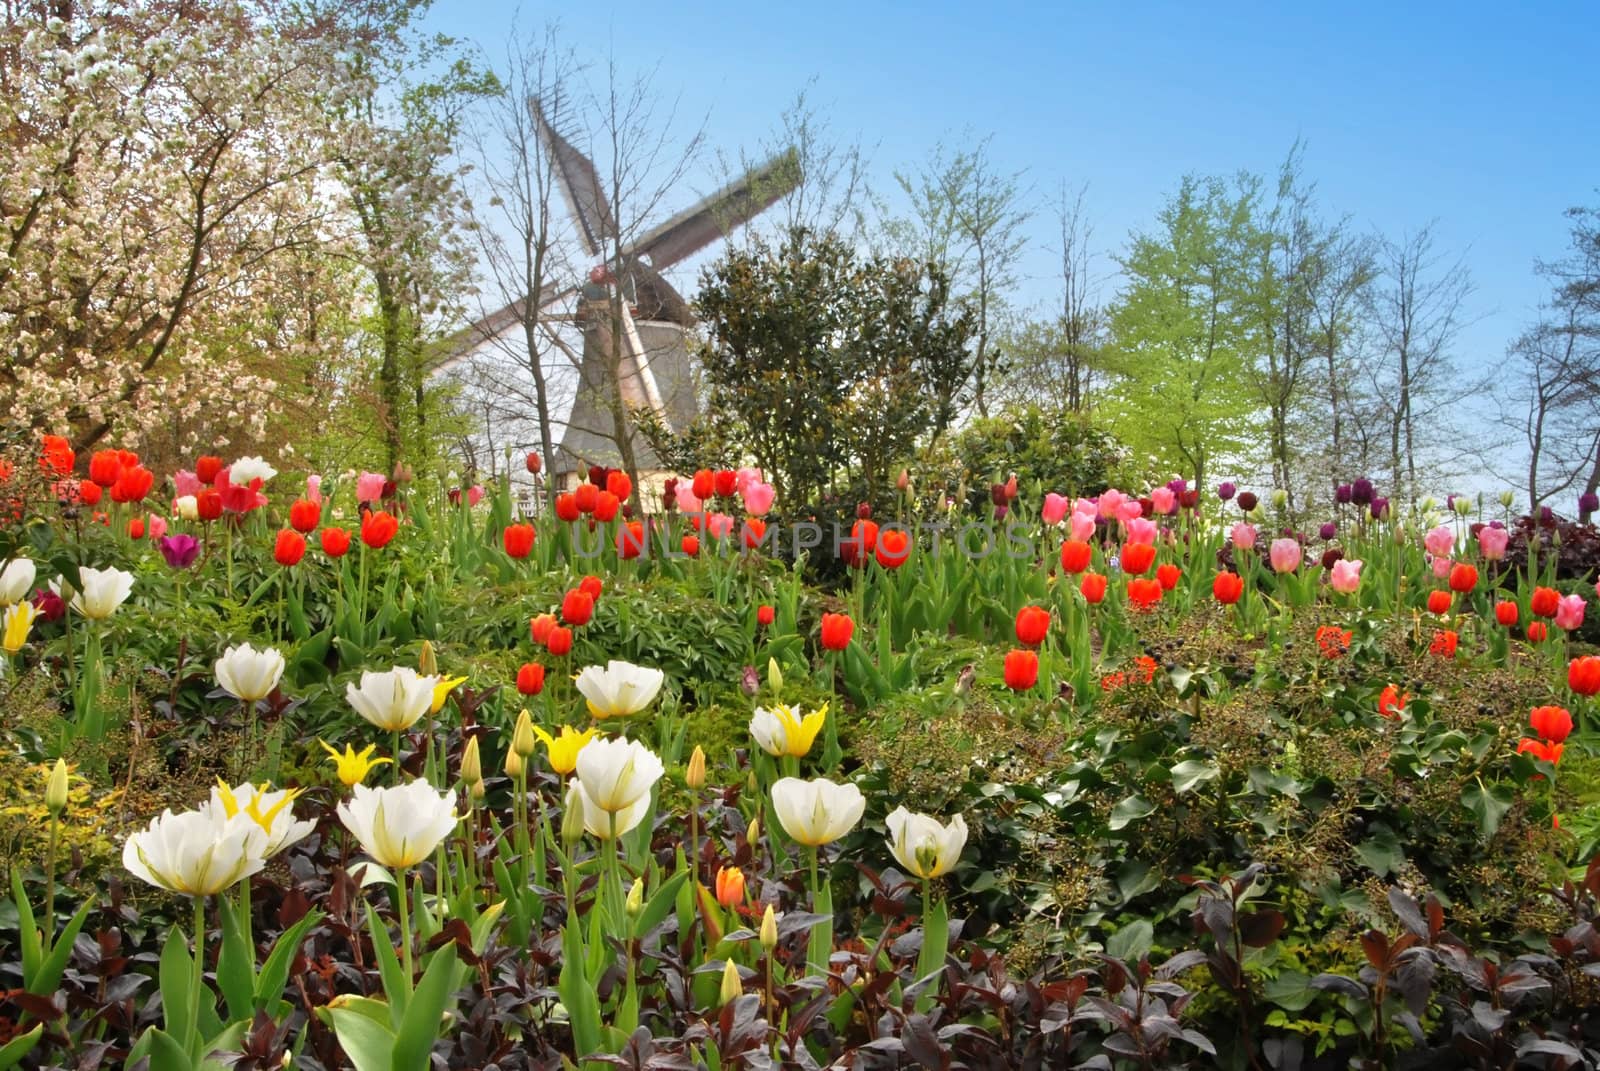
633	323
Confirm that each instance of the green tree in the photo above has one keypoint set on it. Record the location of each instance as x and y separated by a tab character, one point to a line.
1183	334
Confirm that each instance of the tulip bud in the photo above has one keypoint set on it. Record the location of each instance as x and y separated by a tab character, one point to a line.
1427	505
1463	506
1280	498
635	902
751	784
471	765
769	929
732	986
513	764
55	792
749	683
774	676
753	832
1506	498
476	790
522	740
427	661
902	482
695	777
572	817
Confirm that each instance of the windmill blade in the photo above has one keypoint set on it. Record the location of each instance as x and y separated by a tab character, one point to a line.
455	348
579	181
720	214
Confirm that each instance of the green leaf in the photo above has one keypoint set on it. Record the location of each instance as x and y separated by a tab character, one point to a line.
12	1052
1132	941
176	975
48	976
395	984
935	945
1382	852
368	1044
165	1052
32	950
235	965
1130	809
275	971
1489	804
1290	990
656	908
424	1017
1191	772
577	995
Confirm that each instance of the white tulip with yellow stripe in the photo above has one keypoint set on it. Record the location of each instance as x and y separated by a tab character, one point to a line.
400	825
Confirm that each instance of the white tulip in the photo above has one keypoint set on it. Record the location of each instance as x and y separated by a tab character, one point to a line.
103	591
394	699
926	847
245	469
615	778
187	507
817	812
15	580
399	826
620	689
194	854
599	822
248	674
271	811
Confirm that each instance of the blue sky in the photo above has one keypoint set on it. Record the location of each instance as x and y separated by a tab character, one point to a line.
1478	116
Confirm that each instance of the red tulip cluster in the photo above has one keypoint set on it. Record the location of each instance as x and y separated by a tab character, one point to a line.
1551	726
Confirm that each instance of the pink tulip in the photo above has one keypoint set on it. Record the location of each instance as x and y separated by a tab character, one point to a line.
1164	500
1569	614
719	525
687	501
758	498
1346	577
1243	535
314	489
1441	567
369	486
1090	506
1082	526
157	526
474	494
1440	542
1141	530
745	477
1130	509
1109	504
1055	508
185	483
1284	555
1492	543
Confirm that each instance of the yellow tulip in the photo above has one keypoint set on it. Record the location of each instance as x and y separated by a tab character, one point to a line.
562	750
732	984
471	763
442	690
55	791
353	768
695	776
782	730
18	623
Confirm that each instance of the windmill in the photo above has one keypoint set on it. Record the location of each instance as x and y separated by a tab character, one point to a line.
633	322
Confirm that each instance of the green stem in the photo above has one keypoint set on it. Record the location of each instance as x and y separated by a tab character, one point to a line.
50	881
403	906
199	972
395	744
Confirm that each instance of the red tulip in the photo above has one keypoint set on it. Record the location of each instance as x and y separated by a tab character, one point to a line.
567	507
533	463
1539	749
1506	613
559	642
335	542
518	540
691	546
1551	723
133	484
862	543
606	506
726	482
630	539
1444	644
1227	588
1537	631
56	454
1093	587
378	528
577	608
754	531
305	515
539	628
765	615
1392	704
291	547
836	631
1137	557
104	467
1333	641
1143	592
593	585
206	468
208	504
1545	602
1033	624
1021	670
703	484
136	528
1075	555
894	547
1439	602
530	678
1463	577
1167	576
619	485
587	496
1583	675
89	492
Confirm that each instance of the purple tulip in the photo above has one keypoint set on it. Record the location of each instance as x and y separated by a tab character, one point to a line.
1380	508
1342	494
1588	503
1361	492
1328	530
180	550
1225	491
